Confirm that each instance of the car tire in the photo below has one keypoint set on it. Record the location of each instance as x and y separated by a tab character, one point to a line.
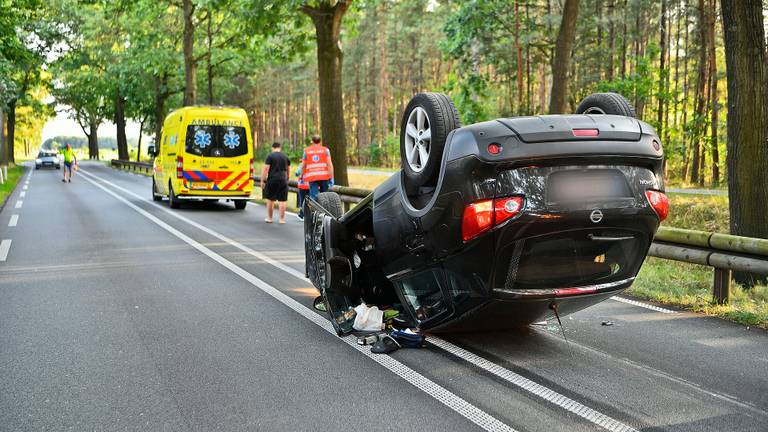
606	103
331	201
426	123
155	196
58	166
240	204
37	167
173	201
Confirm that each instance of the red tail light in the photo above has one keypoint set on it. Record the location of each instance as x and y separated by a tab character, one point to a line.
250	164
179	167
505	208
659	202
483	215
585	132
478	218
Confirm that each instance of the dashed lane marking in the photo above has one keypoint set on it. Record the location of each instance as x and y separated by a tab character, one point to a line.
569	405
19	203
22	194
643	305
5	246
14	220
467	410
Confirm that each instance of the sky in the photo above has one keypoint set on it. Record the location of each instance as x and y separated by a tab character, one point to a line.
64	126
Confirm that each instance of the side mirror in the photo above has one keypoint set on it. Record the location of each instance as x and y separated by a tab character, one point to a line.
151	151
319	304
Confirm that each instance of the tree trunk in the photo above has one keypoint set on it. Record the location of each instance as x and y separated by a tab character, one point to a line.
327	19
558	102
611	38
161	94
11	137
3	157
747	118
122	142
713	92
93	140
190	64
519	50
141	133
662	71
701	96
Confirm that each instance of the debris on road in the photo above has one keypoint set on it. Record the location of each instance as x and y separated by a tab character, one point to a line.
607	323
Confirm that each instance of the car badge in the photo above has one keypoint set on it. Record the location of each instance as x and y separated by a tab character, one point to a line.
596	216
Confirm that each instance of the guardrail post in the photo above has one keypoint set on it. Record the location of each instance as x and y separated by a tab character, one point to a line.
2	178
721	292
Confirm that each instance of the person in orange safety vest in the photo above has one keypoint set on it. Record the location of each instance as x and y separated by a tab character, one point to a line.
317	167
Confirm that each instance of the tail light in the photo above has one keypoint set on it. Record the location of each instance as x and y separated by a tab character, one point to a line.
506	208
585	132
659	202
480	216
179	167
250	164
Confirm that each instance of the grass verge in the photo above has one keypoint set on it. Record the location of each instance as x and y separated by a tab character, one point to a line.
14	174
689	286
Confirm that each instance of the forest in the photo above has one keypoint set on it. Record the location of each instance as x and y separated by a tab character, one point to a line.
347	69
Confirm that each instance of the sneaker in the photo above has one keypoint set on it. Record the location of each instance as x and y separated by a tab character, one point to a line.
300	217
63	180
70	180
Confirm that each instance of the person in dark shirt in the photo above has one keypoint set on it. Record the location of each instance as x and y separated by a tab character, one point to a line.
274	181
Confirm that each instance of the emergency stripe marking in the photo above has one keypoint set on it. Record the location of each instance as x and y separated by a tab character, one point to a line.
539	390
643	305
572	406
230	184
14	220
5	246
467	410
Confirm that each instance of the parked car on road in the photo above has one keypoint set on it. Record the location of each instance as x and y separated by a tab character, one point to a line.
47	159
495	224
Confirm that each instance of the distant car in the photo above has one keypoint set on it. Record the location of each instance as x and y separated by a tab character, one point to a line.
47	159
496	224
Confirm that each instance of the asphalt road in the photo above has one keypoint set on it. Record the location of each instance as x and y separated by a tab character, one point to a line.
117	313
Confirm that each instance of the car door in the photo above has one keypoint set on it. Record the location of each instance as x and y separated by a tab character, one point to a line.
328	267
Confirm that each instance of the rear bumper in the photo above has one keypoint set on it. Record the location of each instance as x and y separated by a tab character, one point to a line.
210	196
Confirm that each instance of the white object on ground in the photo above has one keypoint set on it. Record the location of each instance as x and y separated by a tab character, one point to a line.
368	318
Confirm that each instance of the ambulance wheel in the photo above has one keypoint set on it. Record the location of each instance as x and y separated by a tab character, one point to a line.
331	201
426	123
155	196
173	200
606	103
240	204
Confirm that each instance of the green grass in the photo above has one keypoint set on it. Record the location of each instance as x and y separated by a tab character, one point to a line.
689	286
14	174
698	212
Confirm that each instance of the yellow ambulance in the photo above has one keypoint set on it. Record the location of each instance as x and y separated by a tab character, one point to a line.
205	153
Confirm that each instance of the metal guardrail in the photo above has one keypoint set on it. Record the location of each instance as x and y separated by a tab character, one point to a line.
723	252
141	167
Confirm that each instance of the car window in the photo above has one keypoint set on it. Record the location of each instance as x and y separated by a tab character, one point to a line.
216	141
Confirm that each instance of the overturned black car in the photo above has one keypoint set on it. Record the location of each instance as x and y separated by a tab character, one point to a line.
497	224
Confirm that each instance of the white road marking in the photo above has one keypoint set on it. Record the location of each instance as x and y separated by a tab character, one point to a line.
5	246
537	389
14	220
22	194
25	186
643	305
457	404
19	203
